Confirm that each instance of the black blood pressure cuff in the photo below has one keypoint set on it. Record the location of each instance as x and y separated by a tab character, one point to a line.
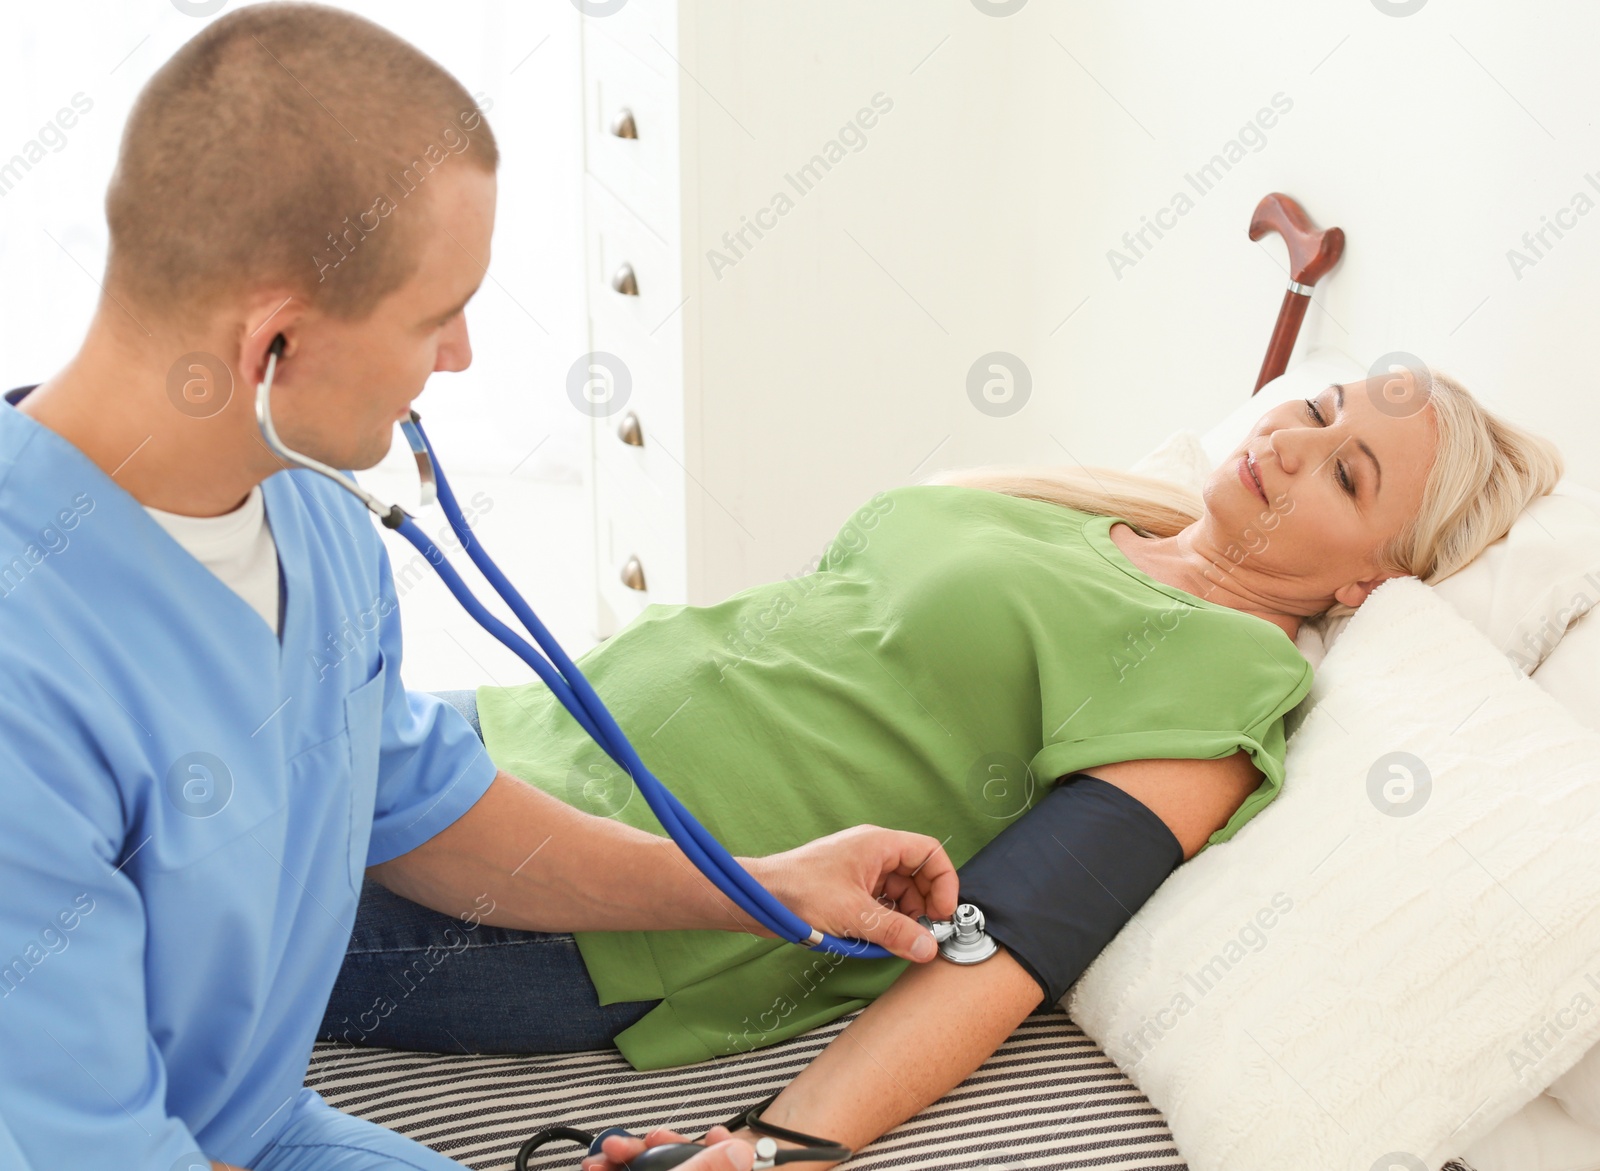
1058	883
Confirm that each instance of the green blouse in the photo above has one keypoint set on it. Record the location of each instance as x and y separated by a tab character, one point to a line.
955	652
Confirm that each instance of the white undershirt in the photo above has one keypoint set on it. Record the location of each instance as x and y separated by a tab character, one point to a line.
236	546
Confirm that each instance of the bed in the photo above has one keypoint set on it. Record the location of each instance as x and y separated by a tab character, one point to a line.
1050	1097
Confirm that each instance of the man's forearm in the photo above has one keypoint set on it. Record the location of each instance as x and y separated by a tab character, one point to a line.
542	865
910	1047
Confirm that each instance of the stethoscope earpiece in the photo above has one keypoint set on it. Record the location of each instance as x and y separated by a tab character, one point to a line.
392	515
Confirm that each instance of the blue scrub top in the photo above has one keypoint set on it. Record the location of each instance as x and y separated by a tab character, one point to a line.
189	807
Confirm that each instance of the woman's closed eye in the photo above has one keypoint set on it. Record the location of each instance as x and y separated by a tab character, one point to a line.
1341	471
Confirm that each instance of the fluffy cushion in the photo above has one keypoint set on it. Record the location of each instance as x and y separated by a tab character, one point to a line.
1341	982
1571	673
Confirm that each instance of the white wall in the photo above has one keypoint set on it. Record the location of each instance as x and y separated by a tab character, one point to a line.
980	213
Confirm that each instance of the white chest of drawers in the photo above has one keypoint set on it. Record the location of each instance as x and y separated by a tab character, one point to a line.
762	184
633	383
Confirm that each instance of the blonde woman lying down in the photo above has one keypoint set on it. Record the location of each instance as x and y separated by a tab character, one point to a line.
957	641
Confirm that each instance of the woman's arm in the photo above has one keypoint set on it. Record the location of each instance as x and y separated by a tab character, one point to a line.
939	1022
907	1049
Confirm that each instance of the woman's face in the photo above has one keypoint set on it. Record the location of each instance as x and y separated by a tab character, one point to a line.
1338	476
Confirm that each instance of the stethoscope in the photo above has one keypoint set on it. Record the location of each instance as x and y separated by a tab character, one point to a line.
558	672
961	939
668	1155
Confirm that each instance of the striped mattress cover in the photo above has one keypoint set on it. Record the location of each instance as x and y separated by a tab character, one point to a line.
1047	1098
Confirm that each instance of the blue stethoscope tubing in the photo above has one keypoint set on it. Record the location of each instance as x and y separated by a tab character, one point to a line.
573	689
562	676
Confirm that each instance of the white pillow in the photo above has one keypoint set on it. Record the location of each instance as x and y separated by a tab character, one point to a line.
1180	459
1334	984
1540	1138
1571	673
1305	379
1527	588
1578	1090
1187	458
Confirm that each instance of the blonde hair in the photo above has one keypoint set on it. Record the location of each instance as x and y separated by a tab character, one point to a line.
1485	471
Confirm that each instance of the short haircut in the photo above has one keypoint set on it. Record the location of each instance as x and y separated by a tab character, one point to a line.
269	148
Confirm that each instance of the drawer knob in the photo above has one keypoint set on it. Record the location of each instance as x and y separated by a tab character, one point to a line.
623	126
633	574
623	281
629	430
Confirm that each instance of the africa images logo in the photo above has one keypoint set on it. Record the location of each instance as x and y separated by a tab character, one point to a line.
999	384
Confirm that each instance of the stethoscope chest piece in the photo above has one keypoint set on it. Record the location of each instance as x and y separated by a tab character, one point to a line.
962	939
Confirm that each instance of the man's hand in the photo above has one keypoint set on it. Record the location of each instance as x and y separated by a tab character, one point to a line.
523	859
839	884
720	1155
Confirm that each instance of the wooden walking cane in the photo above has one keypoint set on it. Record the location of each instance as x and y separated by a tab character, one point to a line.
1311	254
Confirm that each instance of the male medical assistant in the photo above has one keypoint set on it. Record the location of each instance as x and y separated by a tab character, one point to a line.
170	937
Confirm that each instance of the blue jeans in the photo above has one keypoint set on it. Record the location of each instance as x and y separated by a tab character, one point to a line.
415	978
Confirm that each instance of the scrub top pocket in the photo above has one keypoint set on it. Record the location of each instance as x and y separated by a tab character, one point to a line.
363	709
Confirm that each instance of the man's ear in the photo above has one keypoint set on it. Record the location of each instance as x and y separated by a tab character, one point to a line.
1356	592
266	316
